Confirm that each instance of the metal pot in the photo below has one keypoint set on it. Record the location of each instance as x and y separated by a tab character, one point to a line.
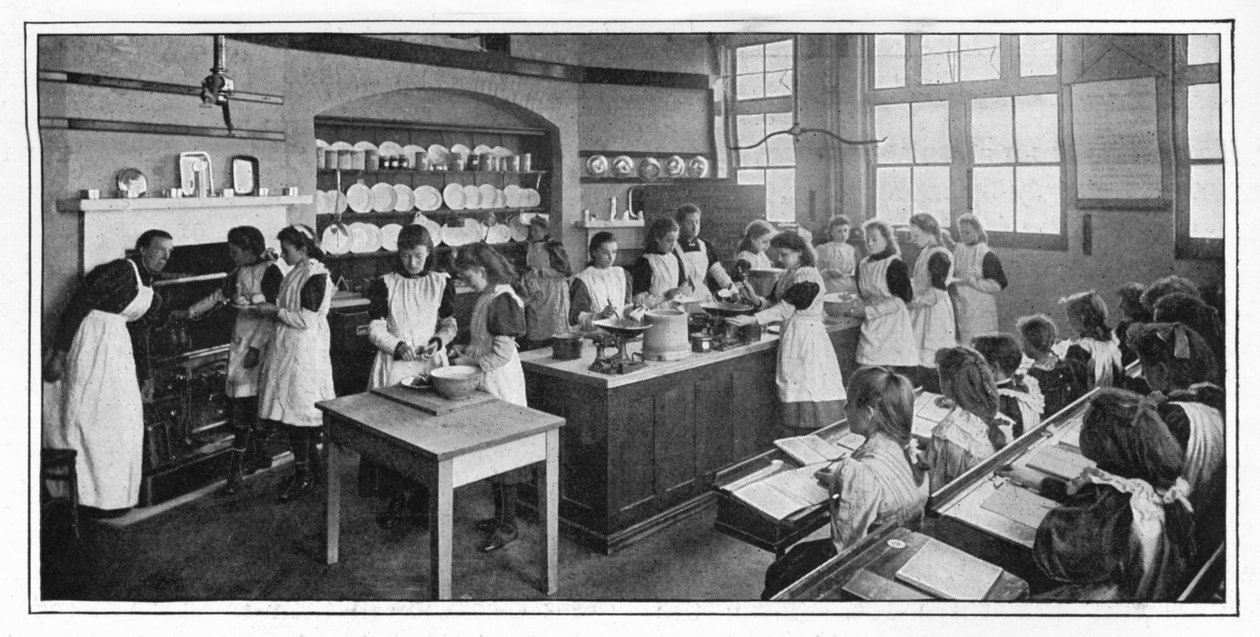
566	346
701	342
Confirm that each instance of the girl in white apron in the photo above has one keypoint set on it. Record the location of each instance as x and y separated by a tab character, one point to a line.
837	260
498	317
808	373
602	290
255	280
1178	363
1096	344
657	275
931	310
752	248
974	429
413	320
700	261
545	286
884	285
979	277
297	372
1125	534
102	416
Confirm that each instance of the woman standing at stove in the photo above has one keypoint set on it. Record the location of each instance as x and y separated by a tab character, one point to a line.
297	372
256	279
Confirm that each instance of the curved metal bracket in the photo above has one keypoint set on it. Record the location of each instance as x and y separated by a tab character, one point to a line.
797	130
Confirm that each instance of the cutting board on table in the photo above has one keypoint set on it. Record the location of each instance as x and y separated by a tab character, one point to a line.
429	401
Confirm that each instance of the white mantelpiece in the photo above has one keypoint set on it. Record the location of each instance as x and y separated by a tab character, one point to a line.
111	226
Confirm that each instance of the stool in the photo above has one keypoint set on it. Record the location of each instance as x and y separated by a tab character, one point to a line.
58	465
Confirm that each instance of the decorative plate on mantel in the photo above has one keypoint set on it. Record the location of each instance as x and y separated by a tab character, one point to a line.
597	165
622	166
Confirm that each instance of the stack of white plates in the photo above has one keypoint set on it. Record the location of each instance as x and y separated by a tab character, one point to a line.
405	198
414	154
336	239
512	194
453	195
455	235
435	231
461	150
481	149
475	230
530	198
359	197
472	198
498	233
428	198
389	236
364	237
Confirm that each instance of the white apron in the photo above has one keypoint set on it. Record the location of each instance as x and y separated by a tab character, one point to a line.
412	319
297	372
932	312
756	260
808	368
841	257
695	267
548	293
604	287
1205	453
101	409
887	336
976	310
506	382
249	330
1031	403
664	278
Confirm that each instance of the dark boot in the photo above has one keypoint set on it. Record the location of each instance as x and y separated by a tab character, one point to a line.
257	456
301	483
505	532
235	479
491	523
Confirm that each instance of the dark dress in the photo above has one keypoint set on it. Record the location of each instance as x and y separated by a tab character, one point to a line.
1062	382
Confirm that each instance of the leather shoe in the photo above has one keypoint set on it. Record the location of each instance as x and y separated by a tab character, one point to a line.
502	536
300	486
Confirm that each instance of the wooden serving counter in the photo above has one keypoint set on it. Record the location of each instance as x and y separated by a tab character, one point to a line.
642	449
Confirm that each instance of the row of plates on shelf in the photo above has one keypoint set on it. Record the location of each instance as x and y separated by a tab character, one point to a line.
436	154
384	197
363	238
647	168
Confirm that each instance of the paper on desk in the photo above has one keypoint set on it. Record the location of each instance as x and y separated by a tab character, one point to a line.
810	449
774	467
927	414
1018	504
785	493
1059	461
850	441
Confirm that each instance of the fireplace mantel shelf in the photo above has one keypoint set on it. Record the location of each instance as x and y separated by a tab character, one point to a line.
182	203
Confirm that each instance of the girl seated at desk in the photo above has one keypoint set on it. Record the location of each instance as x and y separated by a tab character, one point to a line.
1062	380
883	482
1020	396
974	429
1125	532
1096	344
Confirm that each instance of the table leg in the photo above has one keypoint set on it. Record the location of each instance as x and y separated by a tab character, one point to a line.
441	517
332	501
549	508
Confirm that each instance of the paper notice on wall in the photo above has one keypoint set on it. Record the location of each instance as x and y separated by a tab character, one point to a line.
1116	140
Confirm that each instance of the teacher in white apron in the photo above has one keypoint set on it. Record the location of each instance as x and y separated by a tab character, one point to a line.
102	416
702	266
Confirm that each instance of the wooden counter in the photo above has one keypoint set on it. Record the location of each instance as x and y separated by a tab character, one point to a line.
642	450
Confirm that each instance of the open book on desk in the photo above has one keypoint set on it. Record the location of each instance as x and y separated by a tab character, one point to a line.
780	495
812	449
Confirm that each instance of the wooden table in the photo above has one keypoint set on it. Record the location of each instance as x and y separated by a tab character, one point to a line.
445	452
868	571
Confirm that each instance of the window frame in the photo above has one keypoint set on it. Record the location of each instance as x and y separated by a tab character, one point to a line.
959	95
1184	76
782	104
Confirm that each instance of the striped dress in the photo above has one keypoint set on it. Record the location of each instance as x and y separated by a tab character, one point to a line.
873	486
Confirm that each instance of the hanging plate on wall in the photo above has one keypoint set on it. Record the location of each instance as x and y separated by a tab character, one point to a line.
649	169
622	166
597	165
675	167
698	167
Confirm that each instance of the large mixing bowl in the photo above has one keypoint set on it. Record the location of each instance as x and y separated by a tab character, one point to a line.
838	304
762	280
456	382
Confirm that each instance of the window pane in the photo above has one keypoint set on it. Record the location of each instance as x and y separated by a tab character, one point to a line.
778	83
781	194
892	121
1203	49
750	59
993	197
749	129
940	59
1203	113
1037	128
931	132
749	87
781	148
779	56
1037	206
1207	201
991	130
753	177
931	191
892	194
981	57
1038	55
890	61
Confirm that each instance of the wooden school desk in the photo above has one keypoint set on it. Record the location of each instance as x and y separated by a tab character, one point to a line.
445	452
